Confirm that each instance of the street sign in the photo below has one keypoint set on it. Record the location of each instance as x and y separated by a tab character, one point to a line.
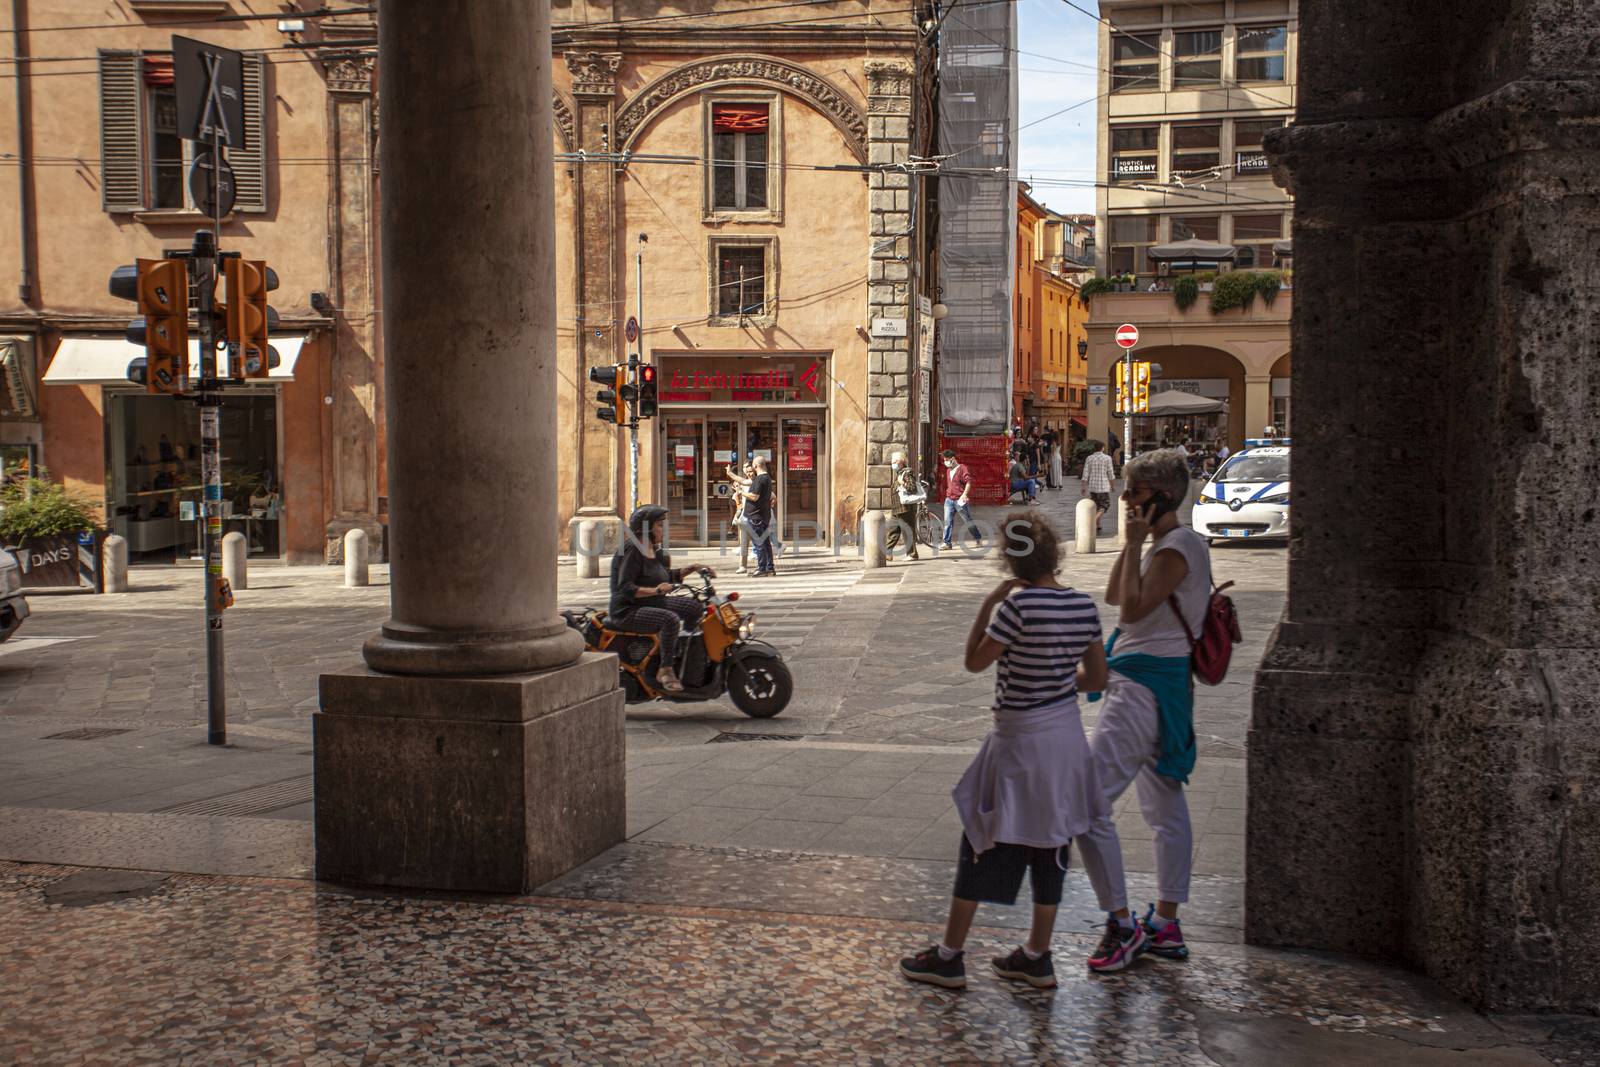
1127	335
888	327
210	89
201	185
631	330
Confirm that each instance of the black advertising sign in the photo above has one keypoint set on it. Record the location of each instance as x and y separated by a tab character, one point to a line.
210	84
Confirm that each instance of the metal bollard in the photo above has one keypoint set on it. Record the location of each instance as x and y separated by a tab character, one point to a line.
1085	527
114	563
872	534
355	559
235	556
587	549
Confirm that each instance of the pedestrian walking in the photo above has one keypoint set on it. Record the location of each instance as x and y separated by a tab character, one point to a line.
1096	481
908	498
759	510
1145	733
1031	788
641	577
957	487
1056	479
741	485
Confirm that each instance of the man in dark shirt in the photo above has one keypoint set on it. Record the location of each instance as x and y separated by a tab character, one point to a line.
758	516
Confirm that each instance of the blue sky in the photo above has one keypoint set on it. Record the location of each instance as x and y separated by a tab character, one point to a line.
1056	56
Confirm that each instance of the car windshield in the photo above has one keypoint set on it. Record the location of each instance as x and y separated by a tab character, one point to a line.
1255	469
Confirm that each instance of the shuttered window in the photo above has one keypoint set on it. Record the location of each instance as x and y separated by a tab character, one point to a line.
127	156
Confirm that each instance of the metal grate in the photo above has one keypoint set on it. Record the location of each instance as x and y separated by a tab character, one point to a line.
88	733
721	738
256	800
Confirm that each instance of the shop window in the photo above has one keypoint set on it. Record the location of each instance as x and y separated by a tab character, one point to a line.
1131	238
1134	153
1249	158
1196	149
1253	235
1261	53
743	140
743	281
143	160
1197	227
1196	58
1135	62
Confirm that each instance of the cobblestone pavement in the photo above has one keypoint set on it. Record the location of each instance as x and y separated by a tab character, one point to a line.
129	968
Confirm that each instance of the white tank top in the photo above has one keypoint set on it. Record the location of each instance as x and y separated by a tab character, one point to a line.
1159	633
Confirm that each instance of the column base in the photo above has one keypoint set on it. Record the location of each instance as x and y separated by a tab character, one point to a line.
401	649
484	784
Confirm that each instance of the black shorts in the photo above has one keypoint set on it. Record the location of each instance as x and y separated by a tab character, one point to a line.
996	876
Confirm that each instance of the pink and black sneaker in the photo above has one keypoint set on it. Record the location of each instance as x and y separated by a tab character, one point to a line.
1166	943
1119	948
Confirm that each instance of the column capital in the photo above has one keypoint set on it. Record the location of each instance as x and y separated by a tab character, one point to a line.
594	74
347	73
888	87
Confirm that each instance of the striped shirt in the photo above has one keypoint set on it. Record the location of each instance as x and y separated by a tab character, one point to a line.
1097	472
1045	632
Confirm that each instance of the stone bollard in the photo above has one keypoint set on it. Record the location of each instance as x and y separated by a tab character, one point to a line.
1085	527
587	549
235	554
1122	517
355	559
114	563
872	536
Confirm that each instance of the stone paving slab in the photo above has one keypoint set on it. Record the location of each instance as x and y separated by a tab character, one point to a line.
215	970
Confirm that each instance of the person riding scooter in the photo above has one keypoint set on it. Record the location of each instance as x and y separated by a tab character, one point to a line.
641	577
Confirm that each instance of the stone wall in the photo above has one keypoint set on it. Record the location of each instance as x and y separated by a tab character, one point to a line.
1425	747
889	293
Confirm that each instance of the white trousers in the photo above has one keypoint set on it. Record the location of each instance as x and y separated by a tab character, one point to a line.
1126	745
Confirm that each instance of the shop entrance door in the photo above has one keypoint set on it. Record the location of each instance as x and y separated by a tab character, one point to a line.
800	486
792	446
684	445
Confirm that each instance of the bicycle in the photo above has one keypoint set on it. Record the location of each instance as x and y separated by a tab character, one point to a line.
929	529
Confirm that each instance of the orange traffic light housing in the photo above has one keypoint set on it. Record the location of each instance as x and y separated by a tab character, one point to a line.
247	317
613	402
164	303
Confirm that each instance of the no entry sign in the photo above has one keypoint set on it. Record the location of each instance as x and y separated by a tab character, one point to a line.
1127	335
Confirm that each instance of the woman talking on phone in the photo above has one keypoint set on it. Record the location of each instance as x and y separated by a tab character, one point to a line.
1145	733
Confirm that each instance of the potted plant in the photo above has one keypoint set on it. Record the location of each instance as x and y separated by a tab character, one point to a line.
1185	291
1095	286
40	522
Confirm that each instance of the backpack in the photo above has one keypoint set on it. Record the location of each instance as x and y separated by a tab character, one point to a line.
1219	632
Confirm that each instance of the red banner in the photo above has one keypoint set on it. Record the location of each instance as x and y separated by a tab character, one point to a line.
802	451
739	118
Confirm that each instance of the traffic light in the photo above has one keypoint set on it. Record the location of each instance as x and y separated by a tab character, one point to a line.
248	318
1141	387
647	391
1133	397
614	377
161	289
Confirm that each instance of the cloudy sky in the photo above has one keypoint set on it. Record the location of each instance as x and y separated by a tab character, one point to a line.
1056	58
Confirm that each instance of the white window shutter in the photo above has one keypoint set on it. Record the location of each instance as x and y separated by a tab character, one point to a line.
121	140
250	163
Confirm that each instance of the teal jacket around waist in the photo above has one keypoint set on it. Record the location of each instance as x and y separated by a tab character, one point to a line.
1168	678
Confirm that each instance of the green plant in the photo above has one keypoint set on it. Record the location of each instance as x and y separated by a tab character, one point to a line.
1204	276
1094	286
37	507
1236	289
1267	283
1185	291
1082	451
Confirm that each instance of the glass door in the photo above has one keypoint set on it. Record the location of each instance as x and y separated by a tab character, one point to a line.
684	444
722	449
761	439
802	458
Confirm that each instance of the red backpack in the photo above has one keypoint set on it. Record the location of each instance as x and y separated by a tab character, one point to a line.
1219	632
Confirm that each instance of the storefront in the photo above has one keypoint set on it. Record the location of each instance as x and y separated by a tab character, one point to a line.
1206	431
722	411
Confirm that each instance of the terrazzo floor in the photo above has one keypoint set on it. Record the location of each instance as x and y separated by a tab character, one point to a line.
131	969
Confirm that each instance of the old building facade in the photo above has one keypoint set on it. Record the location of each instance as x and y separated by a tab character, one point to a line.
102	179
1189	91
754	221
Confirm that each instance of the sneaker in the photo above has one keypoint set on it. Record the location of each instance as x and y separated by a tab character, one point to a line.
948	547
928	966
1039	973
1167	943
1118	949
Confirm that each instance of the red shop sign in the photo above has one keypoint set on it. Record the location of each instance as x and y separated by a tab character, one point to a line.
802	454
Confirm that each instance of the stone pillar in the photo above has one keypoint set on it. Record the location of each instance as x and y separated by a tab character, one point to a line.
114	563
873	532
1425	747
599	448
889	289
236	560
1257	405
1085	527
351	430
480	748
355	559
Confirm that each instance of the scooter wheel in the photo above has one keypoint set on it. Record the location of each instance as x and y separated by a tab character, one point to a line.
760	686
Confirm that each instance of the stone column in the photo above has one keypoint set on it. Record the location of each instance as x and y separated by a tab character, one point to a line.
1425	746
1257	404
889	290
352	423
481	748
601	494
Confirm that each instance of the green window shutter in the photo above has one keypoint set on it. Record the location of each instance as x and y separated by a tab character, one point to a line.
121	141
250	163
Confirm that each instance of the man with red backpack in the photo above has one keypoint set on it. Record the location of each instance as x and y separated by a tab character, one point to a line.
1145	733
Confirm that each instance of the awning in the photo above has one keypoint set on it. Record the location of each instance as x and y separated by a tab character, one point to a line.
1193	249
1177	402
1081	421
1283	248
105	360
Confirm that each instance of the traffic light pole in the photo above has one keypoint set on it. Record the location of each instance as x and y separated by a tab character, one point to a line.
633	376
1127	405
203	268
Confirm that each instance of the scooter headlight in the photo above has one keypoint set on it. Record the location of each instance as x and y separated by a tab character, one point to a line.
747	628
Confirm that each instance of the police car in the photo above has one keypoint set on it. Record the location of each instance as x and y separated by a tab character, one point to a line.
1248	496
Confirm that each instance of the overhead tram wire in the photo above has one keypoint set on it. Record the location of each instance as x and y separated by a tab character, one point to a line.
215	20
